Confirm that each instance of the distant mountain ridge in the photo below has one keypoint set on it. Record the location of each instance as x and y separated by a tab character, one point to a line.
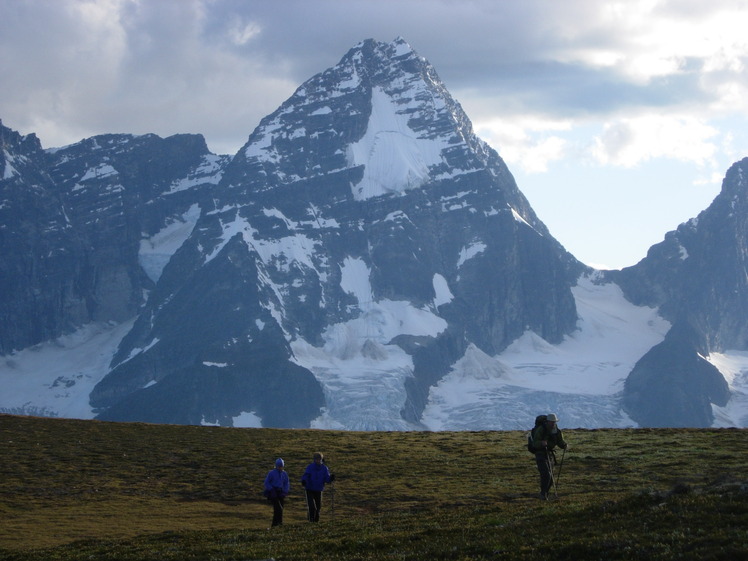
697	278
361	253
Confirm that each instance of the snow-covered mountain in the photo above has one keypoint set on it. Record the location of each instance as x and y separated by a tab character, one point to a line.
364	262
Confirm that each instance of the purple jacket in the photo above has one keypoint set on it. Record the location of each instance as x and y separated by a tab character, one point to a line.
276	484
315	476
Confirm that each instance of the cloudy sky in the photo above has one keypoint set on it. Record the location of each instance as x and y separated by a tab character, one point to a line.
618	119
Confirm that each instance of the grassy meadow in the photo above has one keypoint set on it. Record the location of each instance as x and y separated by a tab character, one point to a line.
74	490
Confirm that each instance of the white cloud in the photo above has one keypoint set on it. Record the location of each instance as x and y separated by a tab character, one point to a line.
242	32
648	38
77	68
630	141
528	142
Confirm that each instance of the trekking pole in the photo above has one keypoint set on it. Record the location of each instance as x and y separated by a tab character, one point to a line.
550	472
332	498
560	465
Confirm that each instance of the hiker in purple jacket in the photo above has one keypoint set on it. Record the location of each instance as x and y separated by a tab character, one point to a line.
314	479
277	487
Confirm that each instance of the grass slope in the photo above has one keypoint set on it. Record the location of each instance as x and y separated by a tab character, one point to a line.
92	490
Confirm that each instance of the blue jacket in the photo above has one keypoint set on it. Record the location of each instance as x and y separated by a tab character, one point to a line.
277	484
315	476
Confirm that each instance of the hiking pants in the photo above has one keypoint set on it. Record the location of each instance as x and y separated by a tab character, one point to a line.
545	467
277	510
313	504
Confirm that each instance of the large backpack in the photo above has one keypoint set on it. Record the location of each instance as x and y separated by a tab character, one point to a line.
539	420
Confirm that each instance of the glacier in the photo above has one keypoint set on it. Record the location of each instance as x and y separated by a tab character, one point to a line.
580	379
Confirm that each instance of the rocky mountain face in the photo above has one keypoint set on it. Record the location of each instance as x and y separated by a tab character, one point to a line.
359	246
697	278
39	269
71	225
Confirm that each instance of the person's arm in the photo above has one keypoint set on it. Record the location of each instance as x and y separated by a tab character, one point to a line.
269	489
268	482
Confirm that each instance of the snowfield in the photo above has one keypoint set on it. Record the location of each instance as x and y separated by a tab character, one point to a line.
580	379
54	379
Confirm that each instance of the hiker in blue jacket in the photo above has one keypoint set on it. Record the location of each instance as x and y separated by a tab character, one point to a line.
316	475
277	487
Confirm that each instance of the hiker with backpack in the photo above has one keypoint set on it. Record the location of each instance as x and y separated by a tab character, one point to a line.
313	481
277	487
542	441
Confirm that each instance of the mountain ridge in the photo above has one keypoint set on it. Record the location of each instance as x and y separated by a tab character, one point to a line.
359	250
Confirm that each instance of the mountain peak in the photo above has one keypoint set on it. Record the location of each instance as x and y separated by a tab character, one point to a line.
398	49
381	113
